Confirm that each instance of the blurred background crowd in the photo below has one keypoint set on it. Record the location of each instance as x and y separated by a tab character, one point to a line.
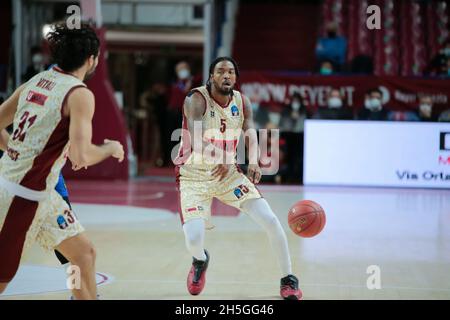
155	55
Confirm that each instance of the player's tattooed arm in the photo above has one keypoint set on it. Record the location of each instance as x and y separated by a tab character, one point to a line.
7	111
251	141
82	153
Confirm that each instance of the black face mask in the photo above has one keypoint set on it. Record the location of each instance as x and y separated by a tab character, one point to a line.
331	34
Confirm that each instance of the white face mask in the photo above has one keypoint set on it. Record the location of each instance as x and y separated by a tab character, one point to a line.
184	74
373	104
274	117
334	103
296	105
376	103
425	108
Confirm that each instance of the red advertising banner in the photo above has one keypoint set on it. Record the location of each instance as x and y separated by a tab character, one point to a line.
399	93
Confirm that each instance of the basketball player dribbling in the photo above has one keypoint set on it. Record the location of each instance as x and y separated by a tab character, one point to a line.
221	112
52	116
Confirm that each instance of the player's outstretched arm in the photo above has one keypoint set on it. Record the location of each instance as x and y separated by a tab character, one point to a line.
251	141
7	111
82	153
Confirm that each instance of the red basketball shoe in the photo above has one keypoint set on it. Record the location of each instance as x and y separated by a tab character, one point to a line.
197	276
289	288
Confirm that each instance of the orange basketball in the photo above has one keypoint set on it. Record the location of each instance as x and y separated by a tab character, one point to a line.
306	218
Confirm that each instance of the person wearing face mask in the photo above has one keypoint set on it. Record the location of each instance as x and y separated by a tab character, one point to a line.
335	109
292	121
373	107
178	90
260	112
425	110
38	63
326	68
181	87
293	114
332	47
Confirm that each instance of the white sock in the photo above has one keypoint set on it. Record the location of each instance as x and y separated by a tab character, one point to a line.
194	233
260	211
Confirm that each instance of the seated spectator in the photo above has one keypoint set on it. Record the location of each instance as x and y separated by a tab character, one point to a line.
335	109
273	155
260	113
332	47
425	112
293	115
326	68
292	125
373	107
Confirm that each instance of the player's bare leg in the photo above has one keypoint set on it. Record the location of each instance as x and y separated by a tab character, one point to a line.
80	252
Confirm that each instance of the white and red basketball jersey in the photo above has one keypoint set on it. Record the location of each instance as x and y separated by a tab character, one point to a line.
222	126
37	147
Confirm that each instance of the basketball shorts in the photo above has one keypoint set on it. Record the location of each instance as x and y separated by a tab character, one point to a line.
24	222
197	188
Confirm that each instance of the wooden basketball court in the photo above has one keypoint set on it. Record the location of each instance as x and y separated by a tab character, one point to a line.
402	233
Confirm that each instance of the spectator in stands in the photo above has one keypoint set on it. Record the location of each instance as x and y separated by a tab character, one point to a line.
260	112
293	115
332	47
373	106
292	121
279	156
335	109
153	102
38	63
326	68
425	112
184	83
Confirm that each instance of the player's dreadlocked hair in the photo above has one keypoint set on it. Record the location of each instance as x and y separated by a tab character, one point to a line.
70	48
213	65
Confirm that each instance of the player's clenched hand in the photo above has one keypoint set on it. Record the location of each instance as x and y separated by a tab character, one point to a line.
220	171
117	149
254	173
